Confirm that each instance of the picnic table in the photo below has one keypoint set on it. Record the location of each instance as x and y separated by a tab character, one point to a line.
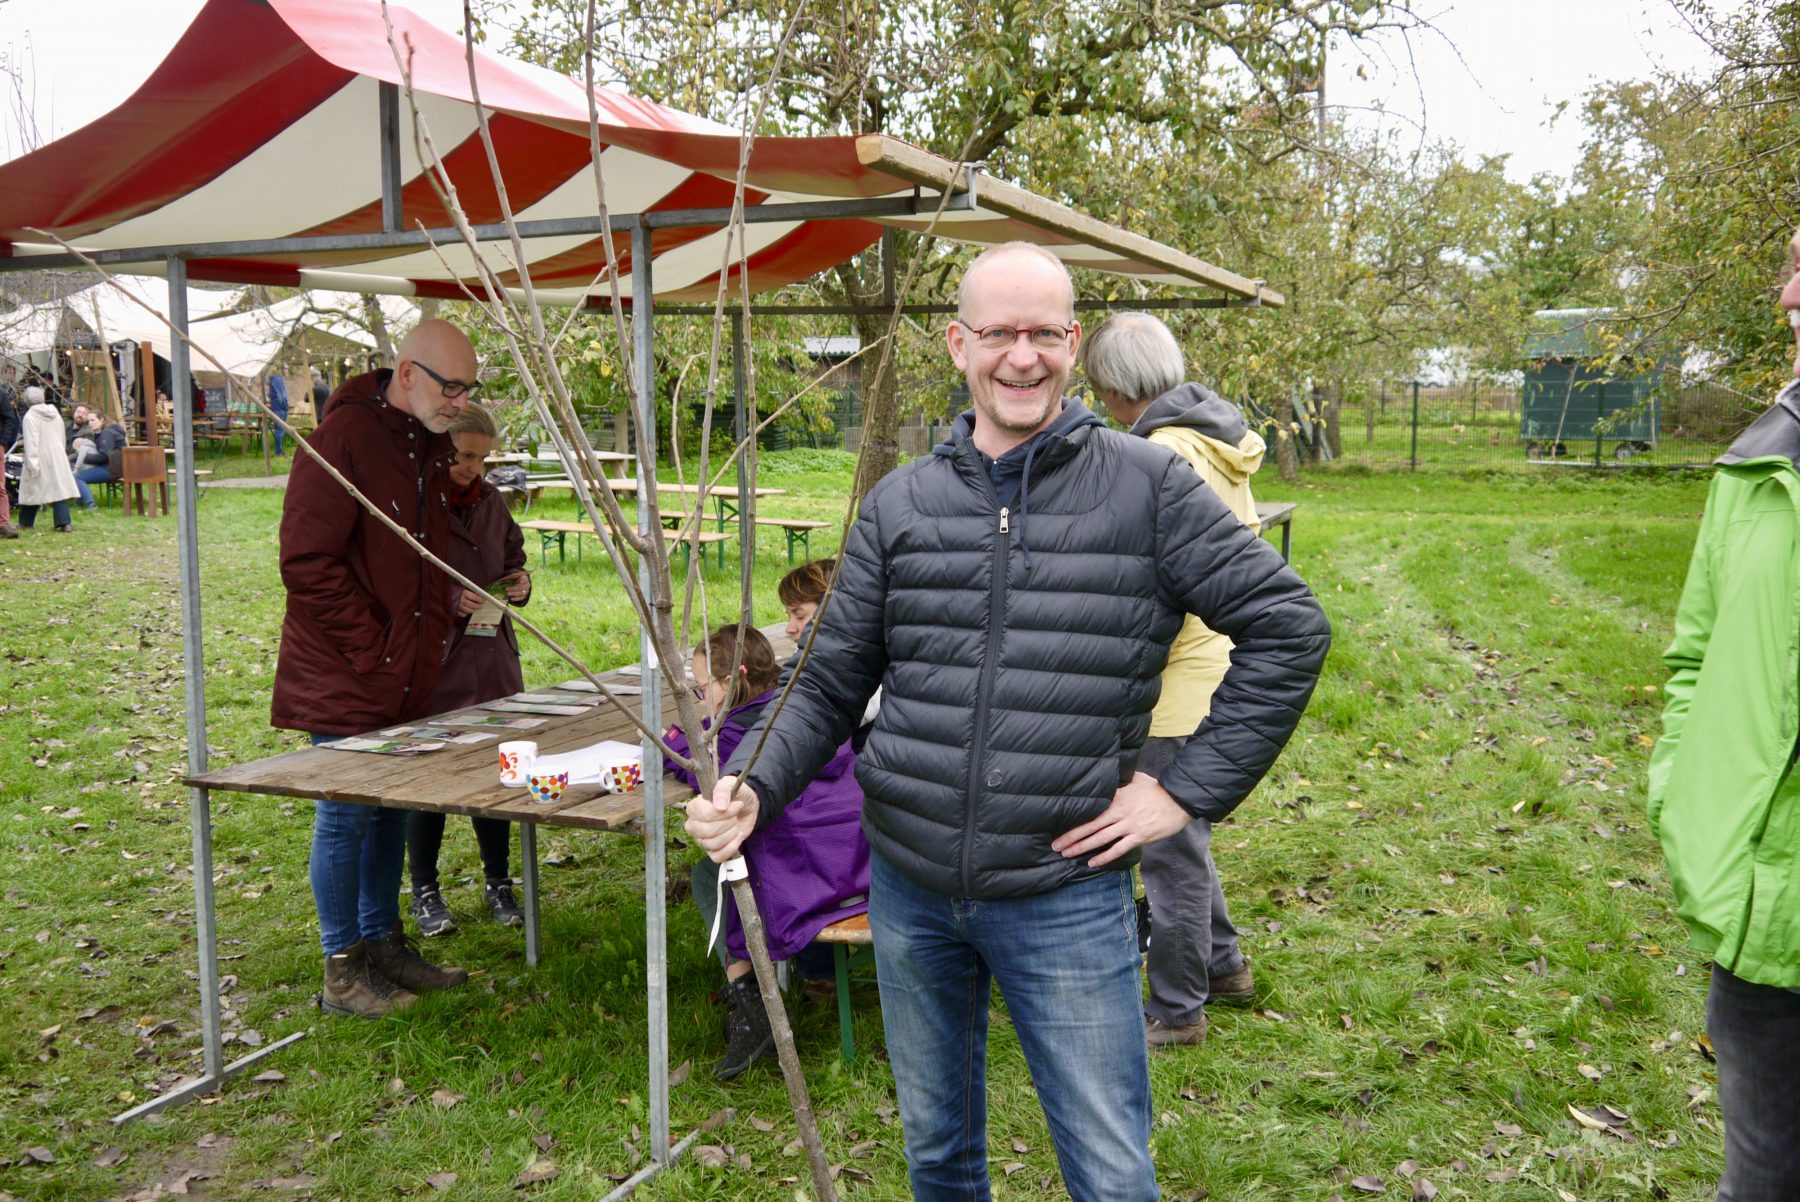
798	530
614	465
1270	514
725	499
551	530
466	780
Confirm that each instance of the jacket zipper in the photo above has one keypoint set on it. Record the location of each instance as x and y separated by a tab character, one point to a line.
978	753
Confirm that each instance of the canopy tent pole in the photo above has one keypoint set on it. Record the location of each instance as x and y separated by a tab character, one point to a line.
206	936
740	428
656	949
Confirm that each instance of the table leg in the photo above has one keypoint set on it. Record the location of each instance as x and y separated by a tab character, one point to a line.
528	878
1287	529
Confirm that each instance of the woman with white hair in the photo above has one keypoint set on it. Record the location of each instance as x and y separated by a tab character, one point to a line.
46	478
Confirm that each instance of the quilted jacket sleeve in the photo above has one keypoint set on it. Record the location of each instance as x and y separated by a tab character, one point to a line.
829	694
1212	566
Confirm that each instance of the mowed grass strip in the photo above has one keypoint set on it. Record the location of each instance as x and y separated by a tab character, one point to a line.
1459	924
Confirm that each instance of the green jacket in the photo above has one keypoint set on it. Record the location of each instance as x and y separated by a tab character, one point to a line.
1723	797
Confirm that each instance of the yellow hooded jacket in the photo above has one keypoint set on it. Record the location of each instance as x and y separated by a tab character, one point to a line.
1212	435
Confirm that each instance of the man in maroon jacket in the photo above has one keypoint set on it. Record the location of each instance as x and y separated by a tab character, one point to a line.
367	623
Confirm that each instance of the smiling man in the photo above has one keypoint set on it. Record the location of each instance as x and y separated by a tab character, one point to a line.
1014	595
367	623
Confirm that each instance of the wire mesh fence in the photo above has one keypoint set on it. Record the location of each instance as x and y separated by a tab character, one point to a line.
1477	425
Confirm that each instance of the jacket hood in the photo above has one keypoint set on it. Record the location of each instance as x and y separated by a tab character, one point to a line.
1775	434
1193	412
1194	407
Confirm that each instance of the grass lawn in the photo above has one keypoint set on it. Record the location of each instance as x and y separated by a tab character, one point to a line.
1459	923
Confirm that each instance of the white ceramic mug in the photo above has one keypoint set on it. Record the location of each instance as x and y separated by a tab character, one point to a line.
516	762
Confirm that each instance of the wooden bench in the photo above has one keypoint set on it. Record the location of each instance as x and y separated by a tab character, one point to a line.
852	949
552	531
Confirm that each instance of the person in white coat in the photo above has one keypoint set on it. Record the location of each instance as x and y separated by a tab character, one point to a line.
46	478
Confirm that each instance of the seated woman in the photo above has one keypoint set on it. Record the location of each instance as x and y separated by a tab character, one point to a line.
808	869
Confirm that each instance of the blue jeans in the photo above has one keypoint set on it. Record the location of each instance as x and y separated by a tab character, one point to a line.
1067	964
358	855
93	474
1755	1032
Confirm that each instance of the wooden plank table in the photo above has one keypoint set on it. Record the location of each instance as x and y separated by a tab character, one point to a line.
1270	514
466	779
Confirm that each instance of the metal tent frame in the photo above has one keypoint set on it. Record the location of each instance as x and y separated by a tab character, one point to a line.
958	192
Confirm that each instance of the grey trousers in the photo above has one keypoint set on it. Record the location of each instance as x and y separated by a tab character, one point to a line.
1191	933
1755	1032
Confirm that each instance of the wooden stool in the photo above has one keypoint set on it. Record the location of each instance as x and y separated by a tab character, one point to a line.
144	465
852	948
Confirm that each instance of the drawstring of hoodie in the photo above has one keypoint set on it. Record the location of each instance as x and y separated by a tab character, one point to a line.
1025	504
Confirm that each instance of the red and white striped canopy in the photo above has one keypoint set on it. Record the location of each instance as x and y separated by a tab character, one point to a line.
262	124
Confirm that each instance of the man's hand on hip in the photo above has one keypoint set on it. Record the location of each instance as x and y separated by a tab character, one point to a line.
721	823
1141	812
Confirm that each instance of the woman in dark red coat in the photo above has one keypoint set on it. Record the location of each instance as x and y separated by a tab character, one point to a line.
480	664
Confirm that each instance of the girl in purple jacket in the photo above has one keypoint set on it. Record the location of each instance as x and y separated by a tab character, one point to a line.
808	869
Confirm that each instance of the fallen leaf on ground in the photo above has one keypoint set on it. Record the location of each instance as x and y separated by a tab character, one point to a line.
1368	1185
1600	1118
40	1155
537	1171
270	1077
1423	1190
761	1124
441	1180
109	1158
681	1073
711	1155
1011	1167
444	1099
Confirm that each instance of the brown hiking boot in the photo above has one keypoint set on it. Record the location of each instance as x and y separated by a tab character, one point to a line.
1159	1036
399	961
1235	988
354	987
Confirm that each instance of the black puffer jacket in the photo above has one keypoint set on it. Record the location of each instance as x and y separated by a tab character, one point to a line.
1017	684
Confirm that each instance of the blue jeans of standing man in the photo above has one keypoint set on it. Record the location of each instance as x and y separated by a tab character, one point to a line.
1755	1032
358	856
1066	962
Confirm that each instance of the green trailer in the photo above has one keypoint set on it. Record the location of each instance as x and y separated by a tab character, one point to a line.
1570	399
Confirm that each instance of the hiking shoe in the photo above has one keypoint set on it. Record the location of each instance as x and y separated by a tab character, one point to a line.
432	914
66	528
1235	988
748	1036
354	987
503	905
821	991
1159	1036
7	531
399	961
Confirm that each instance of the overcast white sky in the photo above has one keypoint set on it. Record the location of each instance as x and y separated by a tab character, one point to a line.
1488	83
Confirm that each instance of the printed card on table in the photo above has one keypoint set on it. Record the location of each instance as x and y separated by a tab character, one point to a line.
553	699
381	746
491	721
519	707
461	737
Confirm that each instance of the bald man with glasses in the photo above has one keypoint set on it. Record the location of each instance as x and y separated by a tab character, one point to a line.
367	623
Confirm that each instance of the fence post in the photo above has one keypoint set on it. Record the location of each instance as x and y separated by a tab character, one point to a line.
1597	437
1415	427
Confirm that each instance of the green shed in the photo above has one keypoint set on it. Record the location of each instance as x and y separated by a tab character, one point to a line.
1568	397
